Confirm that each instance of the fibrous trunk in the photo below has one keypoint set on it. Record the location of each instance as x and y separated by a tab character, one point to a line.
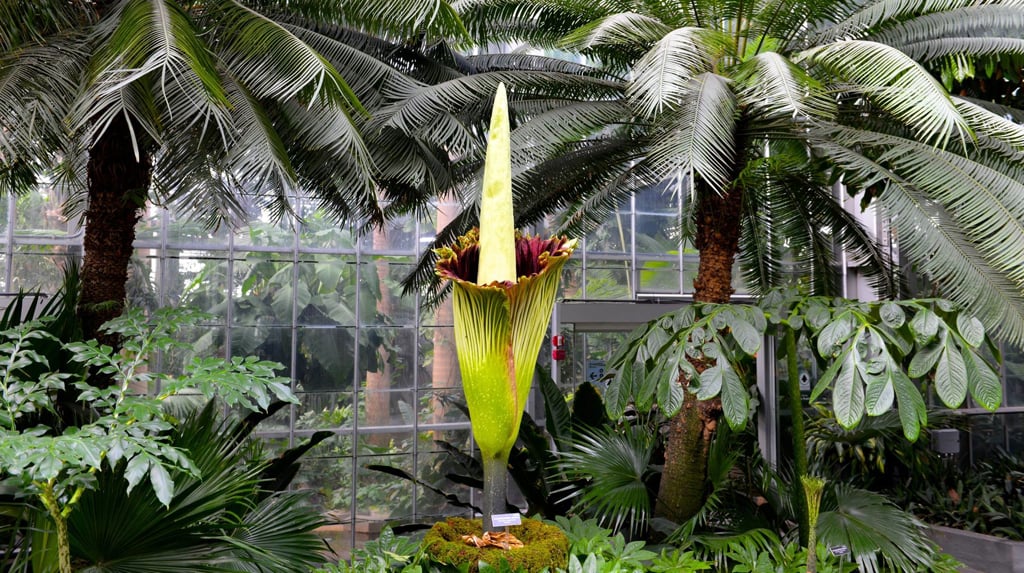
117	185
682	489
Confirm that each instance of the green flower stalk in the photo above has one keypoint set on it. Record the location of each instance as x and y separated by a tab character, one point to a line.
814	487
504	287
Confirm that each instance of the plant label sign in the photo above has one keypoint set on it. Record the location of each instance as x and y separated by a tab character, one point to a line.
506	519
839	550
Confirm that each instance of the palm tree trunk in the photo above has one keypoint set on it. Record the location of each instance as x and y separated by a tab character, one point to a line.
378	384
118	182
682	489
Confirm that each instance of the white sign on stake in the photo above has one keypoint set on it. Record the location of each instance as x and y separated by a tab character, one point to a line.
506	519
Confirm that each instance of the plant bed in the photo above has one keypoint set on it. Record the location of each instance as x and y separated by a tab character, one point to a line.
544	545
983	552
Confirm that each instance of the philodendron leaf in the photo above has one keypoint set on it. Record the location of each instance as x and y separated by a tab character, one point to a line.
982	382
971	329
951	376
670	391
735	400
825	382
848	393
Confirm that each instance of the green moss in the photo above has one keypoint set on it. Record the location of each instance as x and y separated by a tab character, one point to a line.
544	545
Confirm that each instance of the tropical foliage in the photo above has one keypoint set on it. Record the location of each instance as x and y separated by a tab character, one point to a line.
209	107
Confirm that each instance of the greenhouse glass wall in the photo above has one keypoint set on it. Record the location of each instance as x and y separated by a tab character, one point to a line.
369	364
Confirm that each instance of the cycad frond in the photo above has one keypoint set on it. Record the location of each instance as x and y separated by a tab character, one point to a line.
934	243
775	87
865	17
625	29
271	62
537	22
895	83
935	48
24	24
413	111
698	137
666	70
984	21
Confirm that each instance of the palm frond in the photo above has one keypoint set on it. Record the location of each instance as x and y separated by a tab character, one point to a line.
965	30
698	138
990	125
929	239
271	62
23	24
536	22
866	17
360	58
155	43
37	86
394	19
625	29
615	467
774	87
665	72
879	534
896	83
413	111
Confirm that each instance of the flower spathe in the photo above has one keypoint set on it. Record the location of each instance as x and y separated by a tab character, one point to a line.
499	328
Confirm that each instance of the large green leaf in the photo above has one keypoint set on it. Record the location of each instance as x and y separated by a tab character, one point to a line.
983	384
848	393
951	376
735	399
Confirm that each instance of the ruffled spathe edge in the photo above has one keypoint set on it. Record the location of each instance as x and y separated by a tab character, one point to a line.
534	255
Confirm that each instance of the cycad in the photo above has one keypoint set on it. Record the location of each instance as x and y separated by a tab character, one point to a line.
213	107
760	107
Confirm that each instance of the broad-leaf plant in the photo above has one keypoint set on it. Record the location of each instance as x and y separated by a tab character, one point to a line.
58	466
874	356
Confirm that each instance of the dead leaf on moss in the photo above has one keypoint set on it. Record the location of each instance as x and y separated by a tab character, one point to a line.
493	539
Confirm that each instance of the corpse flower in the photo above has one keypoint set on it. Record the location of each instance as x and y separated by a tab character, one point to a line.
504	287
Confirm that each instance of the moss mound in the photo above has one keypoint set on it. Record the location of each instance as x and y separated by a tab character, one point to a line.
544	545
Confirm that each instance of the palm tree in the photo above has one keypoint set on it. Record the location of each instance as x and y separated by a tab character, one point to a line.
214	107
761	107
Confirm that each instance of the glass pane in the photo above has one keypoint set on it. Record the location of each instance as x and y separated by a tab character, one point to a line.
387	376
609	279
263	289
197	279
320	231
614	237
380	279
381	496
1013	360
660	276
327	472
326	359
398	237
326	292
184	232
39	267
324	411
272	343
987	436
40	214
